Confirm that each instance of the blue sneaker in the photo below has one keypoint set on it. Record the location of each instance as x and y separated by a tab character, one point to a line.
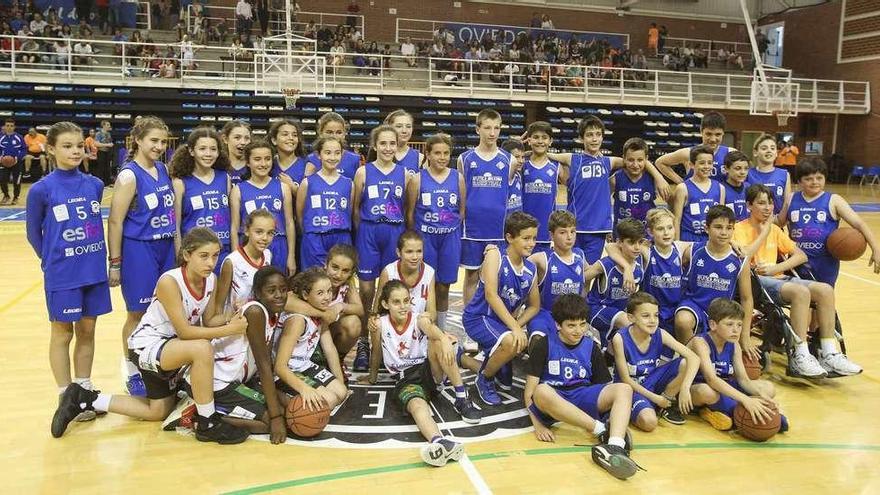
135	386
783	424
362	356
459	353
504	377
486	391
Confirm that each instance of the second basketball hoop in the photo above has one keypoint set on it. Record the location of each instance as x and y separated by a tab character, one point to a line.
291	95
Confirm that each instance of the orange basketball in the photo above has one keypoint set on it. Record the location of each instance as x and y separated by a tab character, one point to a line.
303	422
7	161
846	244
753	368
756	431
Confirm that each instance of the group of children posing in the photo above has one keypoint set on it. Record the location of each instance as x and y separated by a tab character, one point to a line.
241	338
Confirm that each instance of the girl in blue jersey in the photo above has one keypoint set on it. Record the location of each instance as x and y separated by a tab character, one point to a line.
540	175
169	338
407	157
236	136
201	187
736	170
777	179
289	163
323	206
261	191
633	190
435	199
815	213
65	230
694	196
638	362
331	124
141	227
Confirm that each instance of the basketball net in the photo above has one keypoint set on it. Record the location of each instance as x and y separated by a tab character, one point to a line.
291	95
781	118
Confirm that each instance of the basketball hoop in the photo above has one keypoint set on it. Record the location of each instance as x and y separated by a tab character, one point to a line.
781	118
291	95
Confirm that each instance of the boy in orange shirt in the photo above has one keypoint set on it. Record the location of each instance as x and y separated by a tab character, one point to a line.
91	150
765	242
36	148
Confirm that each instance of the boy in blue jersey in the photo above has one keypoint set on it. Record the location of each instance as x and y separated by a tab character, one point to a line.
736	168
589	191
638	362
540	176
714	271
515	192
712	133
766	243
507	284
488	173
608	295
567	380
12	145
815	213
633	191
723	381
766	172
694	196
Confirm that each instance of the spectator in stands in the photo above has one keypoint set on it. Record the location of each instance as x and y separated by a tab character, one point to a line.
337	55
661	39
114	17
187	55
546	22
263	16
104	142
244	15
167	68
653	38
386	57
536	20
701	58
219	32
103	17
60	54
29	52
38	24
763	43
83	9
82	53
408	50
324	38
119	38
736	60
722	56
788	154
353	11
311	31
54	23
36	150
354	35
91	151
373	59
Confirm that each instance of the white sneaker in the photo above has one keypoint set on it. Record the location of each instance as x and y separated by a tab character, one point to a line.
838	363
182	416
469	345
805	365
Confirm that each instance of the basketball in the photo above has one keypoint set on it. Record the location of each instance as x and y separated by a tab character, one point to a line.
7	161
756	431
753	368
303	422
846	244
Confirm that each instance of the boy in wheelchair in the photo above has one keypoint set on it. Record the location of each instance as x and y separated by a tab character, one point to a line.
764	242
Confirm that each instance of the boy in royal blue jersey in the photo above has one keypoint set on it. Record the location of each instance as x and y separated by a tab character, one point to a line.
736	169
12	145
632	190
540	179
712	133
694	197
777	179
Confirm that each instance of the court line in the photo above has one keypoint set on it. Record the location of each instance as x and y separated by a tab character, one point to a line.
15	300
357	473
850	275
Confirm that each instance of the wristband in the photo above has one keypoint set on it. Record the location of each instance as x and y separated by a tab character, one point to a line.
115	261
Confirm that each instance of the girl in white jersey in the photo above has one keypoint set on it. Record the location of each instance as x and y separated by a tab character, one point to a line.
237	274
419	354
411	269
319	386
170	337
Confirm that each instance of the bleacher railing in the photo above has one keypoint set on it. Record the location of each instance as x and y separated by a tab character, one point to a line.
372	73
712	46
277	20
144	18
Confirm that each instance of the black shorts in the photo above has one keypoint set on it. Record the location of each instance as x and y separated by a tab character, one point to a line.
415	382
238	400
314	376
159	384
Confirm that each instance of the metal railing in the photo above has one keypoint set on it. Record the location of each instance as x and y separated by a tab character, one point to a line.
144	19
372	73
712	47
277	21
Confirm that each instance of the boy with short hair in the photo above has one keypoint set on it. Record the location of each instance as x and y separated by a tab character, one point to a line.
567	380
723	381
714	271
815	213
633	191
11	144
638	362
515	193
540	175
694	196
589	191
507	283
712	133
767	173
736	169
766	243
487	172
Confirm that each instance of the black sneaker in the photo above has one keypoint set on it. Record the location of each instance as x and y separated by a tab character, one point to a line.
615	460
672	414
214	429
73	401
627	439
469	414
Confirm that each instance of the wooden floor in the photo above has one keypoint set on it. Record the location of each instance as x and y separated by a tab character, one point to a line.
833	445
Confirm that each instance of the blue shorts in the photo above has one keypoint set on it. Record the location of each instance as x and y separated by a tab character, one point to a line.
313	247
592	244
773	286
472	252
541	324
821	269
224	252
376	245
487	332
724	403
656	381
585	398
278	248
143	262
602	319
69	305
693	236
443	253
699	313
